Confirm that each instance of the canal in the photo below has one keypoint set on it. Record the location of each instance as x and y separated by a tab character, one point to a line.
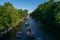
39	32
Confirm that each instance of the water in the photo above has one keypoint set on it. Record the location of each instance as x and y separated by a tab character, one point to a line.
11	35
39	33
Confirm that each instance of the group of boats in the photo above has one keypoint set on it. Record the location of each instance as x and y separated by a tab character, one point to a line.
29	31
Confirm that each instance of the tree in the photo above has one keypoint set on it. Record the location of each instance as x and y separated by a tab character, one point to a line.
10	16
48	13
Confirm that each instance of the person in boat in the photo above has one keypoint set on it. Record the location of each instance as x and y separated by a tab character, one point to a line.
29	32
20	32
26	23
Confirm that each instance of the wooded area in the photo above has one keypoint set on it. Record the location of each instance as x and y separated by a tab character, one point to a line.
10	16
48	13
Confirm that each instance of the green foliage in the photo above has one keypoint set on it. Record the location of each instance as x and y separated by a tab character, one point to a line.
48	12
1	27
22	13
10	16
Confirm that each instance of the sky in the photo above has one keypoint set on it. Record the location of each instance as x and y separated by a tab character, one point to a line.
30	5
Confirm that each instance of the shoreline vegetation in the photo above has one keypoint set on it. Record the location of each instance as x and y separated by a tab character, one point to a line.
10	17
6	31
48	13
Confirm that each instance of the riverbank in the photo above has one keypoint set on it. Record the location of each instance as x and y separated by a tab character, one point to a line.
11	35
45	25
55	32
10	28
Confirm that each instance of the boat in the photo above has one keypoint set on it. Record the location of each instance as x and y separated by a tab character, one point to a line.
18	34
30	33
26	23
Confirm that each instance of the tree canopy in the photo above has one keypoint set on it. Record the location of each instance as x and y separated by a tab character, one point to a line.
48	13
10	16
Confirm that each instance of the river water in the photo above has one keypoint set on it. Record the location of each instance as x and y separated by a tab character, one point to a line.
39	33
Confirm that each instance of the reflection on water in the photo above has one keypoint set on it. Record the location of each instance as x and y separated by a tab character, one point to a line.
27	38
30	38
11	35
40	33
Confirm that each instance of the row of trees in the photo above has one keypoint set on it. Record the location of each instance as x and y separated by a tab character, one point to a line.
48	13
10	16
